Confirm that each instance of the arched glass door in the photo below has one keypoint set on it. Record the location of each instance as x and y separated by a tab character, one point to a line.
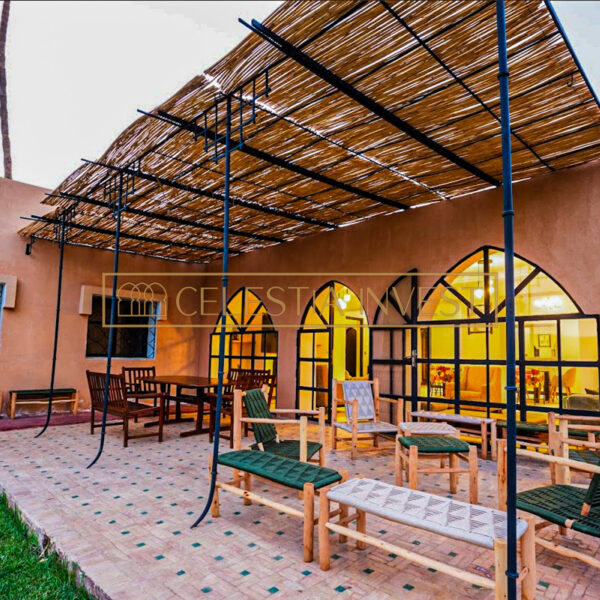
250	337
332	343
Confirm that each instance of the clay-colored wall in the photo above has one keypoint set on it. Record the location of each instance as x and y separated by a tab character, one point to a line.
27	330
557	226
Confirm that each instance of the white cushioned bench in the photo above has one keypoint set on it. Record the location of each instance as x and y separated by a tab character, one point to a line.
478	525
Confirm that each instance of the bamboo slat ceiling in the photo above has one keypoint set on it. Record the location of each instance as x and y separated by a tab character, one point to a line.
315	159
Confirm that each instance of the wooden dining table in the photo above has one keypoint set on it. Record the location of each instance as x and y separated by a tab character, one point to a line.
200	386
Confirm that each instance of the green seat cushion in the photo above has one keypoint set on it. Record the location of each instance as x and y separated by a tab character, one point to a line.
586	456
559	503
433	444
289	448
524	427
286	471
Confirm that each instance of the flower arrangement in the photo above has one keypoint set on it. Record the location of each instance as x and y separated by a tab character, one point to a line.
442	374
534	378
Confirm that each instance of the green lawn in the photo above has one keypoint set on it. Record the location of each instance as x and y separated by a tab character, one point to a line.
26	574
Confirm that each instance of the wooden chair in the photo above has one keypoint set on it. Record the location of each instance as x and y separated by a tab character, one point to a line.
361	402
560	504
565	438
264	427
119	405
242	379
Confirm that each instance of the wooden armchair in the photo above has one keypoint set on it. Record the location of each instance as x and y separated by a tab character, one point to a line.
568	440
560	504
119	405
238	379
264	424
361	401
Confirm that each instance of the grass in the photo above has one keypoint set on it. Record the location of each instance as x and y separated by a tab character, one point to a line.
25	572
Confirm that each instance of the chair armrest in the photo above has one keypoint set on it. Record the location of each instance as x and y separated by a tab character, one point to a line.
388	400
297	411
576	418
559	460
273	421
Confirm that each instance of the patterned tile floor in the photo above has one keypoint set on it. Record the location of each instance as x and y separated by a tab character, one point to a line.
126	521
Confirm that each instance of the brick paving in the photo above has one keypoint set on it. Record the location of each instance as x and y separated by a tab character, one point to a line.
126	524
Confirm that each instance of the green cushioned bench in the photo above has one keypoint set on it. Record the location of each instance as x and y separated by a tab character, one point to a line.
309	478
285	471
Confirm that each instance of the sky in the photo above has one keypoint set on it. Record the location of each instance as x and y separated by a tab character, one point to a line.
78	71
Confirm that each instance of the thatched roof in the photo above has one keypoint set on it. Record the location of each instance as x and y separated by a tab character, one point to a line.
315	158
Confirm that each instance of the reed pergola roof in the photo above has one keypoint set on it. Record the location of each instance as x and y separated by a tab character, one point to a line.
373	107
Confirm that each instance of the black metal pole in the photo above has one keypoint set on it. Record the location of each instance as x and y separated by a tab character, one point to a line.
509	285
217	432
113	310
62	233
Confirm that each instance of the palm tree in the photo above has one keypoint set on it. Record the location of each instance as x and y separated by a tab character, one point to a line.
3	96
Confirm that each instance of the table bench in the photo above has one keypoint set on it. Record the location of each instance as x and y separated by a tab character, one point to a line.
482	427
42	397
308	478
478	525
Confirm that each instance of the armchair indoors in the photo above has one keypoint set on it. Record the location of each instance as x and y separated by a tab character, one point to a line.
473	384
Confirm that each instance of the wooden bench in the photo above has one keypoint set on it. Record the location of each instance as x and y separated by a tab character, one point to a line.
478	525
42	397
308	478
482	427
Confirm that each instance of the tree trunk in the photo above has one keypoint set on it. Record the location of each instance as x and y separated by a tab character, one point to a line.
3	96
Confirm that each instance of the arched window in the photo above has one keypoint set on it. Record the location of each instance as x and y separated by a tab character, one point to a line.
333	343
462	335
250	338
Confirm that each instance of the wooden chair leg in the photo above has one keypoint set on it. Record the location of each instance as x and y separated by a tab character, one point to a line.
343	514
501	592
361	527
484	441
494	440
324	544
309	521
528	560
398	466
13	405
125	430
473	476
354	429
161	419
215	506
333	436
247	478
413	465
453	476
322	456
92	421
375	440
75	403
